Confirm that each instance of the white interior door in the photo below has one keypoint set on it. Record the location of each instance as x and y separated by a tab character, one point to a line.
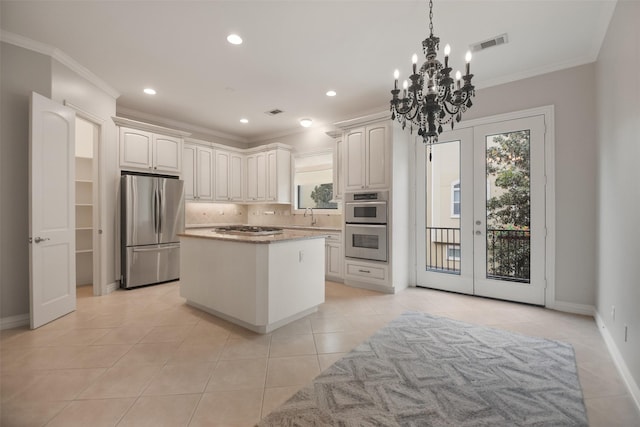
482	211
52	283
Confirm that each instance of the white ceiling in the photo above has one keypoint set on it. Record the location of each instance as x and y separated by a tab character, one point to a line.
294	51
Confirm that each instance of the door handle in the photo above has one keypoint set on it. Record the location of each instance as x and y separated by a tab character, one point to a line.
40	239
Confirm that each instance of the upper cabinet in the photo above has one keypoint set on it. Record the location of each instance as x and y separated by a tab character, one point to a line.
229	176
365	156
279	176
269	175
256	177
197	172
149	148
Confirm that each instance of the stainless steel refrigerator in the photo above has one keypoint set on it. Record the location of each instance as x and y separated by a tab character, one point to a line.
152	213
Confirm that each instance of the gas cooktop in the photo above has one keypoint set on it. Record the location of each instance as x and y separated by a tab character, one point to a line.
248	230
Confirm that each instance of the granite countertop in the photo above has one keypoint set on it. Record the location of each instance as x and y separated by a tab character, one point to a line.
286	235
192	227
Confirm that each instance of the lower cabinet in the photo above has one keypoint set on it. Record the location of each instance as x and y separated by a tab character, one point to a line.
334	258
375	275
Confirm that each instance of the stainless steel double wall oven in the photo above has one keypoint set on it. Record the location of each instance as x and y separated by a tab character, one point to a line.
366	225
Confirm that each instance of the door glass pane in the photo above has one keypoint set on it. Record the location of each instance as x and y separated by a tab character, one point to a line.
443	208
508	210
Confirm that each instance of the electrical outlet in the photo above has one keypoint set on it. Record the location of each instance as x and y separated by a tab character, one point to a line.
613	313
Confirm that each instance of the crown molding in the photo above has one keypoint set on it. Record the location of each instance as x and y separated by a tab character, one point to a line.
58	55
163	121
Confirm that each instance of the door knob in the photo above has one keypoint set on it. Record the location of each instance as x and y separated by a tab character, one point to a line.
40	239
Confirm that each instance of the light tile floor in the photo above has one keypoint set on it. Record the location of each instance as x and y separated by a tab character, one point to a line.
143	357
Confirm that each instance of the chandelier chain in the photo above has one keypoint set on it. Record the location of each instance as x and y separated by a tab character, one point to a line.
431	17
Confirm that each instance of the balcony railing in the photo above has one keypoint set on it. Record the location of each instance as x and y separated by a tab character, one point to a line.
439	241
508	253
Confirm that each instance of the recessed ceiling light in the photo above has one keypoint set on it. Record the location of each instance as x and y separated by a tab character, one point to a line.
149	91
244	120
306	122
331	93
234	39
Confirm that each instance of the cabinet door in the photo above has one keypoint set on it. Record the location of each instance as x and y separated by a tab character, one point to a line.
222	176
333	260
235	176
256	177
261	173
272	176
354	151
189	171
337	170
135	149
167	153
204	174
252	177
376	164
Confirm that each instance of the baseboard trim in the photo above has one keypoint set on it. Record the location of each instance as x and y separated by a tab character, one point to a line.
570	307
14	321
112	287
618	360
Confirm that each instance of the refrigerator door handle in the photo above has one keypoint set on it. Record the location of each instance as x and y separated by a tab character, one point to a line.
155	211
160	209
155	249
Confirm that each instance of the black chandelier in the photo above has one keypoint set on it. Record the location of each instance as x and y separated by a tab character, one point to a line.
432	99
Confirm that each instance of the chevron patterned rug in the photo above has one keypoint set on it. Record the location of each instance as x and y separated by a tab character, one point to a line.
423	370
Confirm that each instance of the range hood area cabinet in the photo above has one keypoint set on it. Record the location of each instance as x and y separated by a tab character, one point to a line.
268	172
261	174
149	148
197	172
228	177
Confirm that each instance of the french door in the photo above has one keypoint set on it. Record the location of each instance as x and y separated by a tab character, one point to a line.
481	211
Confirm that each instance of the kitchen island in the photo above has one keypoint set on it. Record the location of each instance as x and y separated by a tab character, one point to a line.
259	281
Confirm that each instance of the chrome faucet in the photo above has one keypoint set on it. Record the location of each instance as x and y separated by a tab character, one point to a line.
313	219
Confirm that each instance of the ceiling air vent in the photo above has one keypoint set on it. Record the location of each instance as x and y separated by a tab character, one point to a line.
495	41
274	112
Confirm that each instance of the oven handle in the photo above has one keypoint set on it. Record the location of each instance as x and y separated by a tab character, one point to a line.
359	224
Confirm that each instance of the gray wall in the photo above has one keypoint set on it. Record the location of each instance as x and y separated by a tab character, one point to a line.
618	142
21	72
571	92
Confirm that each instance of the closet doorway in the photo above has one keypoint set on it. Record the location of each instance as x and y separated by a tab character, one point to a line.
87	179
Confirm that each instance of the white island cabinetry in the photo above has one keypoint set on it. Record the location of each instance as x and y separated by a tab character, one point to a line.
258	283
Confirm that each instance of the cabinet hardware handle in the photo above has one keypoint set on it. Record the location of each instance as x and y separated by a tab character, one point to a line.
364	271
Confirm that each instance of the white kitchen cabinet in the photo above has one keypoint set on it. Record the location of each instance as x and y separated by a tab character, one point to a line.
366	158
228	176
256	177
338	171
197	173
279	176
334	259
144	150
269	176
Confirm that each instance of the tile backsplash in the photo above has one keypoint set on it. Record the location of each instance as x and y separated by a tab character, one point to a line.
210	214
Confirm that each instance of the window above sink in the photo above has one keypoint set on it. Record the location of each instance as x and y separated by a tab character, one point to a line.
313	183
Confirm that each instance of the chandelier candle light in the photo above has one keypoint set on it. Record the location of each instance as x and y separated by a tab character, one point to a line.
433	98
